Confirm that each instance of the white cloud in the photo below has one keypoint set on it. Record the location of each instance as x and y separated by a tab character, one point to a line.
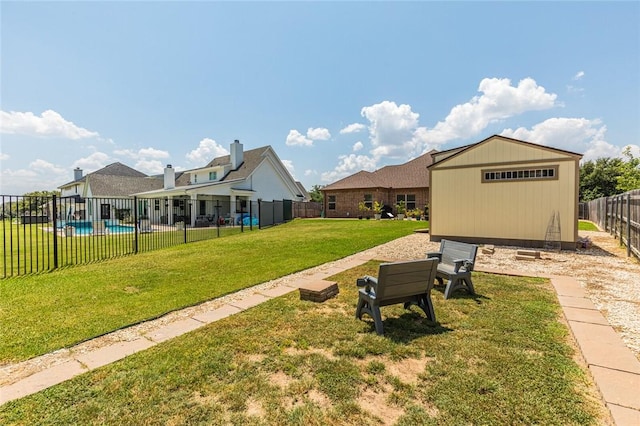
499	100
207	150
150	167
578	135
144	153
348	165
635	150
93	162
48	124
318	134
288	164
4	156
40	175
353	128
310	172
295	138
578	75
357	146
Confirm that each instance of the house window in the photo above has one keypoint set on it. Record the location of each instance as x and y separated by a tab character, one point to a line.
195	178
409	200
368	200
203	208
105	211
213	175
331	202
514	175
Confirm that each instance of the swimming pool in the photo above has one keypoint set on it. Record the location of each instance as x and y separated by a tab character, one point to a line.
86	228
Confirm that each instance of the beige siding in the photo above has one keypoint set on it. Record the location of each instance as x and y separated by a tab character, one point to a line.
462	205
497	150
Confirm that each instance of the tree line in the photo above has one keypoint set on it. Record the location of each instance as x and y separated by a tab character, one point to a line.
605	177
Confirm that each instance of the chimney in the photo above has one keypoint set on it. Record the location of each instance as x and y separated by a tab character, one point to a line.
236	154
169	177
77	173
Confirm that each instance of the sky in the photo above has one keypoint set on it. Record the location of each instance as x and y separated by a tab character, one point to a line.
333	87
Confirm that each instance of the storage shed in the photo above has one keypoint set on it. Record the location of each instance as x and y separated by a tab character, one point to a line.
505	191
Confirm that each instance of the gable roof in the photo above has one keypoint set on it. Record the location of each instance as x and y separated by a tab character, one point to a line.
442	156
412	174
113	169
121	186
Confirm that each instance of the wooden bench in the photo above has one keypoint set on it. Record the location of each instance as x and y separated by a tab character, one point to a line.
400	282
456	263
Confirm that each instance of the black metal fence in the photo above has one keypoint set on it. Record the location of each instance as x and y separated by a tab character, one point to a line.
44	233
618	215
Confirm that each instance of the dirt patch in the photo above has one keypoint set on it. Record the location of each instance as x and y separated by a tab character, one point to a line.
376	403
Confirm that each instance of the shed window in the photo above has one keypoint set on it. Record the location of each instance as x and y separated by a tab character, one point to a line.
513	175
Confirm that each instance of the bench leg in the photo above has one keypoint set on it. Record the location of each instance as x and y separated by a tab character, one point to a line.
456	284
365	307
423	302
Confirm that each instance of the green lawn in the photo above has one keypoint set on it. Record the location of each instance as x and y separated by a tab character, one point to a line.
585	225
42	313
499	358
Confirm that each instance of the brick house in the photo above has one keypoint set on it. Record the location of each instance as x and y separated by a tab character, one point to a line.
408	182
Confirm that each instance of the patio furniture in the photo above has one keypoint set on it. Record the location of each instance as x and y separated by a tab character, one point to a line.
145	226
456	263
400	282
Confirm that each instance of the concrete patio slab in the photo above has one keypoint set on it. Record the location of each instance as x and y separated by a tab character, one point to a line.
576	302
277	291
41	380
112	353
592	316
602	346
567	286
623	416
174	329
250	301
217	314
617	386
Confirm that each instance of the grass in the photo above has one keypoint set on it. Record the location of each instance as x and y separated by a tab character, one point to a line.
29	248
585	225
46	312
499	358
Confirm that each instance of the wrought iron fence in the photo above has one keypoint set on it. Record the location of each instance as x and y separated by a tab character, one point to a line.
44	233
618	215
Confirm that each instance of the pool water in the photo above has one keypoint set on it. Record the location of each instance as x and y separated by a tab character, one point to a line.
87	229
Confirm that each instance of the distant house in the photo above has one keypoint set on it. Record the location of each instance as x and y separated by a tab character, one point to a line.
103	187
408	182
230	181
220	188
505	191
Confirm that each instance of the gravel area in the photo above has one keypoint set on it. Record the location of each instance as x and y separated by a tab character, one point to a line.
611	279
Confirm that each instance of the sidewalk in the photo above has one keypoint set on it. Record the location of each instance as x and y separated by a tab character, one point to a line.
614	368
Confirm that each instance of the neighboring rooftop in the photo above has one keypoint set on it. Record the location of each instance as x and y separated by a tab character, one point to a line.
412	174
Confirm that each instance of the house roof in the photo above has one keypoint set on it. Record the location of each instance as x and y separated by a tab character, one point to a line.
443	156
113	169
121	186
250	161
412	174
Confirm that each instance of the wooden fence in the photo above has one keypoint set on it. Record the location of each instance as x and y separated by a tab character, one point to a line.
619	215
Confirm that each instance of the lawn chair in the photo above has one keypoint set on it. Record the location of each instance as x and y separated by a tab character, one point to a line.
400	282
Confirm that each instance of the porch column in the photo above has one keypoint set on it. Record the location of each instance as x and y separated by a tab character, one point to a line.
169	211
232	207
194	209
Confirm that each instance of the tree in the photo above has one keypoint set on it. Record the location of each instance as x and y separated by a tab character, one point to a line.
599	178
629	172
316	194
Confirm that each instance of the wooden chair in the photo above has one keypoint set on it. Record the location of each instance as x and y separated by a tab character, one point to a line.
400	282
